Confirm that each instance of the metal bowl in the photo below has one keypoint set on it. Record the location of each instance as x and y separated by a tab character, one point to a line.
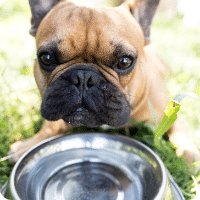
91	166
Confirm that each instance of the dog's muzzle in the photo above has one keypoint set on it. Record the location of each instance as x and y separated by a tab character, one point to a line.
82	96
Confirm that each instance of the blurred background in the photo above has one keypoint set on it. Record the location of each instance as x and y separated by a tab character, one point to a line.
175	34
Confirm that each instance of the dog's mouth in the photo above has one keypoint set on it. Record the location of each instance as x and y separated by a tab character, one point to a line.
81	116
84	97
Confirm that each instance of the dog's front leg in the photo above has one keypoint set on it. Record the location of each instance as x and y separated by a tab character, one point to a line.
48	130
181	139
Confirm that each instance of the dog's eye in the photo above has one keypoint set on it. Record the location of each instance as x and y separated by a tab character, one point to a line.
124	63
47	59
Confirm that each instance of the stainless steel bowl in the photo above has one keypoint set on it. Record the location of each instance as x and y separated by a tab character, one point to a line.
91	166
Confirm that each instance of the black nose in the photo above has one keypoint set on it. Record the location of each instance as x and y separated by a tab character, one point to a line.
84	79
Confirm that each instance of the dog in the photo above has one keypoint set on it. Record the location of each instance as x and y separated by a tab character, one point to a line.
96	66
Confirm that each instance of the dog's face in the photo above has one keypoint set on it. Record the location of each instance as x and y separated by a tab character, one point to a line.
87	61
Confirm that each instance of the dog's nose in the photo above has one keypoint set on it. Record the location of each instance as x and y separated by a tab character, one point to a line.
84	79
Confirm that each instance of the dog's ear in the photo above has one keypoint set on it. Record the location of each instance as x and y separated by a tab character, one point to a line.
143	11
39	9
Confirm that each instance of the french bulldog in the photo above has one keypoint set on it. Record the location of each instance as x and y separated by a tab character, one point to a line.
96	66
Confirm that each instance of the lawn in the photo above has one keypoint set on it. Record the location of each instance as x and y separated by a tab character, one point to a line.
177	45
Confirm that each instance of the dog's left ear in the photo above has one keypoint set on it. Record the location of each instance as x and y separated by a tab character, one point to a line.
143	11
39	9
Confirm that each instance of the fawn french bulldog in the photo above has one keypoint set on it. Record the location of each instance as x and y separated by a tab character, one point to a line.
95	66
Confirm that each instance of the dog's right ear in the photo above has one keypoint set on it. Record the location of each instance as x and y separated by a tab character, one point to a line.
143	11
39	9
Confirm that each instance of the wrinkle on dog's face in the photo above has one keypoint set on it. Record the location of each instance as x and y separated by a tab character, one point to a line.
94	32
90	36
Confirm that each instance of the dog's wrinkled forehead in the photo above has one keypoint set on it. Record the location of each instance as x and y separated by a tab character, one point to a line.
78	30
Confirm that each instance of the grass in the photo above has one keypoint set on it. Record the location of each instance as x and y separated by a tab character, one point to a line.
20	118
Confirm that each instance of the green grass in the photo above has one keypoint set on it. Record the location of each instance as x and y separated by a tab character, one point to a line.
179	47
20	118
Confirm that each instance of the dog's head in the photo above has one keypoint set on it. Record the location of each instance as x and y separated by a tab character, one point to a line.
89	60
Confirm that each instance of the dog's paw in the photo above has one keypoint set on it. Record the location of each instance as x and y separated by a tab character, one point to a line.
191	154
17	150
